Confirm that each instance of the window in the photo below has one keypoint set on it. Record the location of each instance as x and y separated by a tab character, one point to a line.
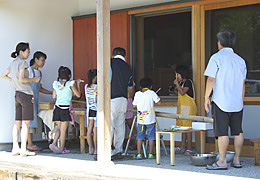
161	43
245	22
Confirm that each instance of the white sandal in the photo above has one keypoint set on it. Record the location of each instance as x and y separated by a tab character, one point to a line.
16	152
27	153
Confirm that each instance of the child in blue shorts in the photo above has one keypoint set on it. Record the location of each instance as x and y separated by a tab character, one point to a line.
146	123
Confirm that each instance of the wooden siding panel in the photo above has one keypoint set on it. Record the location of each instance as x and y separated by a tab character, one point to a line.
119	24
84	47
85	42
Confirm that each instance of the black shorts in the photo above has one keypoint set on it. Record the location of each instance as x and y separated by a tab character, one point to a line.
23	106
92	113
223	120
61	114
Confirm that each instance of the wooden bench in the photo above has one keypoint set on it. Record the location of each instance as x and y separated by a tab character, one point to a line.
257	151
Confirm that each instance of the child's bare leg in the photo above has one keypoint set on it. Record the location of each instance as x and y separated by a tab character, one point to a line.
63	133
16	130
89	136
95	139
24	134
151	146
139	146
189	138
183	141
57	134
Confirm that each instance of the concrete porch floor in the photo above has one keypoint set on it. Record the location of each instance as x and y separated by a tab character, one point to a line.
47	165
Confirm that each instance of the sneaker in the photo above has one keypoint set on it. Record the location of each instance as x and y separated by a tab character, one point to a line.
151	156
178	150
188	153
138	156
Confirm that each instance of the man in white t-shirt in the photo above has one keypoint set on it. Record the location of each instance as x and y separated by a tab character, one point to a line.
144	101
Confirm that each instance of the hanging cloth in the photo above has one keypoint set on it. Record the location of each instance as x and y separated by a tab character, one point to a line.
36	89
186	105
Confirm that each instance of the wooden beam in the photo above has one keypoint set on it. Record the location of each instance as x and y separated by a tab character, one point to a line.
180	116
202	60
228	4
177	5
196	53
103	78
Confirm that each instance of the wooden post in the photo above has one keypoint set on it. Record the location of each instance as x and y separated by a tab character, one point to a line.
172	149
81	131
103	78
158	148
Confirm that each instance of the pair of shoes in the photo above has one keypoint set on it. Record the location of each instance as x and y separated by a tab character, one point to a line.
151	156
65	151
178	150
27	153
236	165
188	152
55	149
215	166
138	156
16	151
34	148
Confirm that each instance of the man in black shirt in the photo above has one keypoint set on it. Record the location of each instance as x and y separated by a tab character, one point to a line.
121	80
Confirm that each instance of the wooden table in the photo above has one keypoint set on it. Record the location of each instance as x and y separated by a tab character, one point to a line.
172	143
81	112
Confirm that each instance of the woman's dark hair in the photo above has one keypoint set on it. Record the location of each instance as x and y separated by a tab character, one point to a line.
22	46
146	83
91	75
119	51
64	73
37	55
183	71
226	38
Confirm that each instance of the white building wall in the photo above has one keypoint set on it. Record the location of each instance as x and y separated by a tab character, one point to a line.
47	26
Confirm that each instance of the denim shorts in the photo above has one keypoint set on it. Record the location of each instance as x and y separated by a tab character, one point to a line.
148	129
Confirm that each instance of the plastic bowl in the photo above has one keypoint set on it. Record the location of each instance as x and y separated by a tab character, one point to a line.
203	159
229	156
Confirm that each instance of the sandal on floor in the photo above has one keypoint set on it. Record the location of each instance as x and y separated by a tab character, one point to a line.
55	149
16	152
65	151
236	165
27	153
34	148
215	166
188	153
178	150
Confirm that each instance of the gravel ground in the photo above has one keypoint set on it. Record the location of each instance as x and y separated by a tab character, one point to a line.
182	164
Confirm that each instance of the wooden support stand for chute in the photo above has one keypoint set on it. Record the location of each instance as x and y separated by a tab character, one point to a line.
187	117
